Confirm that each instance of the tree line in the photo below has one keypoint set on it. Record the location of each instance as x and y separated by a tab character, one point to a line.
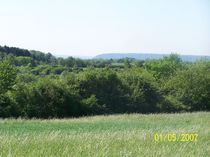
44	88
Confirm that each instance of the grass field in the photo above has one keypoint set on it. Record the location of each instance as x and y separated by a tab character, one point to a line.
117	135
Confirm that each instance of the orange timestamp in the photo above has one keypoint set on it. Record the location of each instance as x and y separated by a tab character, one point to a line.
174	137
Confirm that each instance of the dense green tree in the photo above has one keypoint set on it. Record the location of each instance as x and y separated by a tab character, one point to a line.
141	91
7	80
104	84
164	68
15	51
190	87
23	61
46	98
7	76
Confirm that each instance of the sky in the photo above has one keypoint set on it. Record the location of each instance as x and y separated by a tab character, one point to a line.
91	27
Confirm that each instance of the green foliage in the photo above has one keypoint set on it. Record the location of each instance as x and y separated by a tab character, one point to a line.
7	108
7	80
41	85
23	61
127	63
104	84
141	90
7	76
45	98
90	105
191	86
15	51
164	68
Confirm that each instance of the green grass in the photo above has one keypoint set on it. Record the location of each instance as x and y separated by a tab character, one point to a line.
117	135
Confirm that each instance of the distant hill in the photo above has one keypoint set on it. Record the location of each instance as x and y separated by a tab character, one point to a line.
145	56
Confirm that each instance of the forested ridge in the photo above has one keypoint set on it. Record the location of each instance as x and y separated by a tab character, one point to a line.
37	84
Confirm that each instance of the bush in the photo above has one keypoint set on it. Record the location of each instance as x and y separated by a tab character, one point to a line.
141	91
46	98
103	84
191	86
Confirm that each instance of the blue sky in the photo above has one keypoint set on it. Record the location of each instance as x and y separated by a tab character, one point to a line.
90	27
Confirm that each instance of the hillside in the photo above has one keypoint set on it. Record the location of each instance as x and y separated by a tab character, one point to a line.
144	56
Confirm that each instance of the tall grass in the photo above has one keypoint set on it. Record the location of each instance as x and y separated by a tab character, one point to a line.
117	135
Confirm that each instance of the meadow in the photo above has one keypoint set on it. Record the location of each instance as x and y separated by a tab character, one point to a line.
114	135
